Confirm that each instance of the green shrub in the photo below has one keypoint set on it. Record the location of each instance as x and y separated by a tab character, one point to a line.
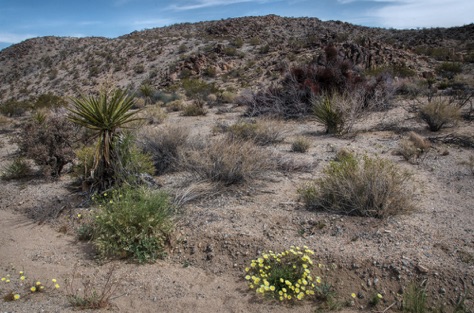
17	169
368	187
133	223
227	161
49	101
301	145
449	69
328	113
438	113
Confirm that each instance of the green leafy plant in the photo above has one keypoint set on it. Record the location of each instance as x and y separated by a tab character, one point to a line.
371	187
104	115
133	223
285	276
438	113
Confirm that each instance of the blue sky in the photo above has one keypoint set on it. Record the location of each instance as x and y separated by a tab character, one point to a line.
22	19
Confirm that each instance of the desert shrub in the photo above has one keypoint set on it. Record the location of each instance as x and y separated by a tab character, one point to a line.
146	91
14	108
194	109
438	113
153	115
104	115
227	161
300	144
198	89
174	106
328	113
329	75
133	223
371	187
164	145
164	97
226	97
449	69
413	146
469	164
261	132
18	168
49	101
49	142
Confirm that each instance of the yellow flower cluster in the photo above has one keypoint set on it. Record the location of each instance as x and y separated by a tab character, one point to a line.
283	276
20	284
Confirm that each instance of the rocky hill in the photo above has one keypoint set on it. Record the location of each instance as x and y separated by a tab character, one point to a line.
233	53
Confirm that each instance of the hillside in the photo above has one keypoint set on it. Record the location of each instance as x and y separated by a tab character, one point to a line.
237	53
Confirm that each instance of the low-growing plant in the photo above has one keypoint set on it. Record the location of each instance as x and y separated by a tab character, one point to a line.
285	276
372	187
194	109
328	112
227	161
413	147
449	69
13	107
19	286
439	113
133	223
88	296
414	298
18	168
261	132
174	106
300	145
153	115
164	145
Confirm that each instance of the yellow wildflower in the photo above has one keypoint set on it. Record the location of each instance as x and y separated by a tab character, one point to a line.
33	289
353	295
379	296
247	277
38	283
16	296
56	286
22	278
272	288
53	280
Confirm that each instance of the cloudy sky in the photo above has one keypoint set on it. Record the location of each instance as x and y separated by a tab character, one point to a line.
22	19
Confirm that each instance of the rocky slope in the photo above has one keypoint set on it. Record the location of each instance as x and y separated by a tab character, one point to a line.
237	53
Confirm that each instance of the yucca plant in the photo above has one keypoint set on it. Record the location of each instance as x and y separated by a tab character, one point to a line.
104	115
327	113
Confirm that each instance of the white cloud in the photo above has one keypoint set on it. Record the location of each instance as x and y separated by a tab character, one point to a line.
199	4
153	22
426	13
419	13
14	38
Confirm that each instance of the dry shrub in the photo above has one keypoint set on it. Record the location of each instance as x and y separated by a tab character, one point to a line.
164	145
288	164
153	115
368	187
438	113
49	142
262	132
413	146
300	145
175	106
227	161
194	109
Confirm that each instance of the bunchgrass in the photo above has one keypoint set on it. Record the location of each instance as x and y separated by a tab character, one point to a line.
371	187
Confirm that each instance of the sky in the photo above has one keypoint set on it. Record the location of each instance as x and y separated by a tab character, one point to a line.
23	19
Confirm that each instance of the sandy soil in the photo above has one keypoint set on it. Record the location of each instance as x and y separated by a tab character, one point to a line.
221	231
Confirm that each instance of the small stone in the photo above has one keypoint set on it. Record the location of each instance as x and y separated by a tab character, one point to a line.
360	295
422	269
442	291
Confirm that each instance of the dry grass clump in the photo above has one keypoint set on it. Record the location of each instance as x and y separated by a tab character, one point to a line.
413	147
262	132
227	161
300	145
174	106
153	114
164	145
439	113
194	109
371	187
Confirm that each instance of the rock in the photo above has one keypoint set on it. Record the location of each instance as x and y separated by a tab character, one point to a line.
422	269
442	291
